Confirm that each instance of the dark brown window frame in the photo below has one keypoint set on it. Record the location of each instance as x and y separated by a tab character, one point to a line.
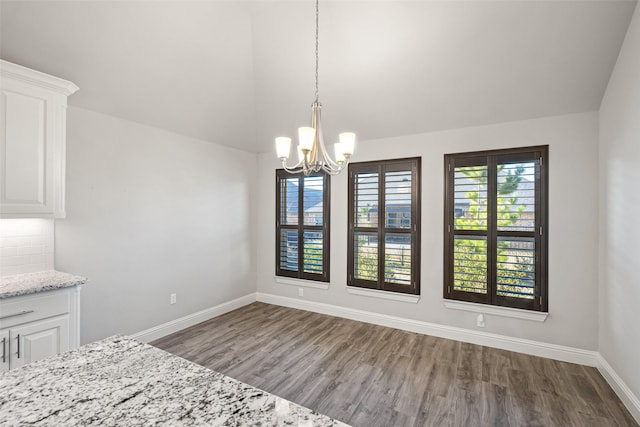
382	166
301	227
493	157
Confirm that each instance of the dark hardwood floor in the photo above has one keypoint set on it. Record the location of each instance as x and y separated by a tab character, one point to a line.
368	375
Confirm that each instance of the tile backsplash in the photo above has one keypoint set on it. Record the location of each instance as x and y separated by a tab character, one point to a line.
26	245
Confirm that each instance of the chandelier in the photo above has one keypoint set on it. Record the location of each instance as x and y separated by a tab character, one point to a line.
312	153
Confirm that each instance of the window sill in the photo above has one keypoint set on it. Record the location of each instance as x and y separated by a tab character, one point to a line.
383	294
302	282
516	313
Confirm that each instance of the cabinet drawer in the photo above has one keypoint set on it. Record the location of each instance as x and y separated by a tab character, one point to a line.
23	309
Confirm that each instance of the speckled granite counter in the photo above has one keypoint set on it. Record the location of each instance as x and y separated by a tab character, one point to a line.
31	283
121	382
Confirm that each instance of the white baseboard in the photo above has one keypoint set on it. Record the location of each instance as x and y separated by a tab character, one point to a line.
535	348
192	319
625	394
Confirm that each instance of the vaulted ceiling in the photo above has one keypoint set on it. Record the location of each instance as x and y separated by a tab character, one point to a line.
239	73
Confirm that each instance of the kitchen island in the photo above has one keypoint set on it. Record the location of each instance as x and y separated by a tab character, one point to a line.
122	382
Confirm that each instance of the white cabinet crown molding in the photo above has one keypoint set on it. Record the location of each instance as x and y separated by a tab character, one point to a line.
33	77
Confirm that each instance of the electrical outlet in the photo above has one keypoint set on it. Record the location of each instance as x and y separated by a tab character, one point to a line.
480	321
172	299
300	292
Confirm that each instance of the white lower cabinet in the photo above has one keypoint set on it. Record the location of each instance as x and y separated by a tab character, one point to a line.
34	341
38	326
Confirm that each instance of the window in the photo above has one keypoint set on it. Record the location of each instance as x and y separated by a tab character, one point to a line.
384	225
495	242
302	226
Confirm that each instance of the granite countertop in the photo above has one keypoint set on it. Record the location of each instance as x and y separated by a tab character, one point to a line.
122	382
31	283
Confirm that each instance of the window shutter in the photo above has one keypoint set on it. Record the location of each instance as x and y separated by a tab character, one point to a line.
302	226
384	225
470	224
495	207
516	222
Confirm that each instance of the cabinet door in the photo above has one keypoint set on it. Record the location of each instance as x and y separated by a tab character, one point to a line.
4	350
33	108
27	147
39	340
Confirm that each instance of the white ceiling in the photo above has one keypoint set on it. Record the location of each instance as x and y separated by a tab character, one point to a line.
240	73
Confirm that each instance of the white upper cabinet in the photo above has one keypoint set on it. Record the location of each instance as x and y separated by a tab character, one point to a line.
33	111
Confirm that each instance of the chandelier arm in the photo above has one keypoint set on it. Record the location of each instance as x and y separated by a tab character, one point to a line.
297	168
316	120
332	171
327	157
329	161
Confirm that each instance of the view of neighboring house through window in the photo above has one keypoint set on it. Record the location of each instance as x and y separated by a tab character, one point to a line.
495	249
384	225
302	226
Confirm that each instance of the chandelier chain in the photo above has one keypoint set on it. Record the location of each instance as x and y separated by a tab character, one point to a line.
317	56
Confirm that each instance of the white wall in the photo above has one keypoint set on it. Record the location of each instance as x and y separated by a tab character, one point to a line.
573	222
150	213
620	208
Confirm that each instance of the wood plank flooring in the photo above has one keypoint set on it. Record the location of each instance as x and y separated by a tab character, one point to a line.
368	375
